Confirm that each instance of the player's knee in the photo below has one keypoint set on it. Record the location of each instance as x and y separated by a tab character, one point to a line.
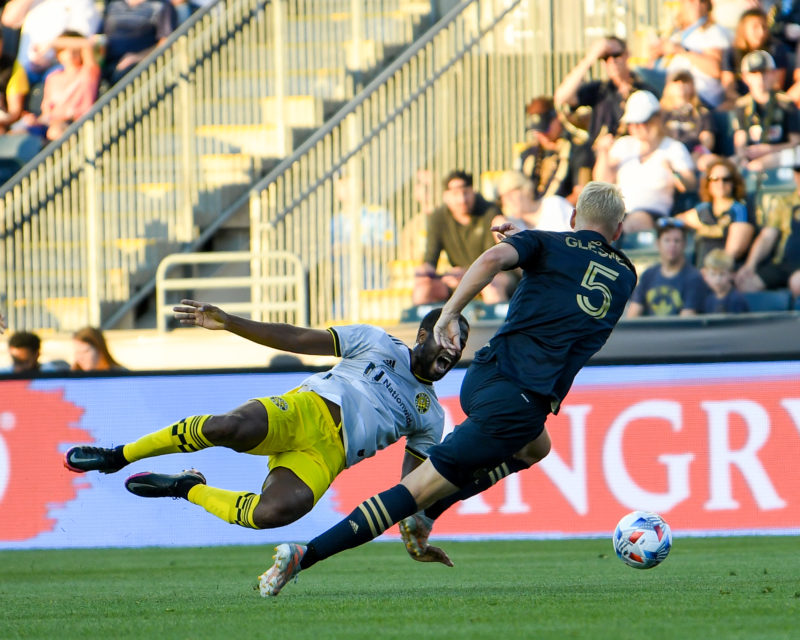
535	451
224	430
270	514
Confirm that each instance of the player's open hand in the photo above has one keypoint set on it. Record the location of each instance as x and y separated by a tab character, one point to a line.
200	314
447	333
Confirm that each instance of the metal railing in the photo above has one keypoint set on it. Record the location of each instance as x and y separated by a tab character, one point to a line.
161	154
352	201
279	296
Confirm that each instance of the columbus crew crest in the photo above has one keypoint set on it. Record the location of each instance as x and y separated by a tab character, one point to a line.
422	402
279	402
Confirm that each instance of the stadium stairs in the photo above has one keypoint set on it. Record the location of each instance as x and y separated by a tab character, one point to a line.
245	150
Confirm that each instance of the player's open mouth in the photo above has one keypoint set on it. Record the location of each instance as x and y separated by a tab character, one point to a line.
443	362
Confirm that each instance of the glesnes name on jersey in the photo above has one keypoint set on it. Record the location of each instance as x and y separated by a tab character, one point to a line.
595	247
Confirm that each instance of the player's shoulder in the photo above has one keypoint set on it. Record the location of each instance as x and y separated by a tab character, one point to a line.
366	334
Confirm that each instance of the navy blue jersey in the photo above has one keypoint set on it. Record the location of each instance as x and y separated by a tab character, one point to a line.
573	291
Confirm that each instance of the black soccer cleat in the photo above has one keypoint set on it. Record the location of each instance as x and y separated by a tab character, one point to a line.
164	485
81	459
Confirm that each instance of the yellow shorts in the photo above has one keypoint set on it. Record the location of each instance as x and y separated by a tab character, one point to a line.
303	438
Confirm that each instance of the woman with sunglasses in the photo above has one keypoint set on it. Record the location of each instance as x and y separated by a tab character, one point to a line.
720	220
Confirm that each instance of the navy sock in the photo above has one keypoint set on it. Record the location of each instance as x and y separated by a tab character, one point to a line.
483	482
367	521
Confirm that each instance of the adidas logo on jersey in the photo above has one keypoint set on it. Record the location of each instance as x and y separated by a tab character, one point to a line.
354	525
390	363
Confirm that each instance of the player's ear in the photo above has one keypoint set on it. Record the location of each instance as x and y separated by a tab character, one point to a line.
422	335
572	219
618	232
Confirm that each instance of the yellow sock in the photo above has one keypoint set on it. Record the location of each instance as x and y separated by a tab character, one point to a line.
184	436
236	507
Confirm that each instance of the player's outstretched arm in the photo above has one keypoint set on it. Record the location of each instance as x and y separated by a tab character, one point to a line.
286	337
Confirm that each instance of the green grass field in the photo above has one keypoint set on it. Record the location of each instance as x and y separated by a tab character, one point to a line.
708	588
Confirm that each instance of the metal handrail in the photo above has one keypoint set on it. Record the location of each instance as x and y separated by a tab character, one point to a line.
261	306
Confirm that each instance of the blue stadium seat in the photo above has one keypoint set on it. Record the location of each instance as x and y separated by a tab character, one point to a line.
15	150
796	305
489	312
417	313
777	300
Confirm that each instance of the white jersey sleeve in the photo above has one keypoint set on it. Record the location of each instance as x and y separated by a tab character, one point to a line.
380	398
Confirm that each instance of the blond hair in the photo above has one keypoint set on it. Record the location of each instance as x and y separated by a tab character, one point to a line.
719	260
600	204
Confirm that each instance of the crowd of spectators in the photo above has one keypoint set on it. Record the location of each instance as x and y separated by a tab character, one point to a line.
58	55
691	133
90	353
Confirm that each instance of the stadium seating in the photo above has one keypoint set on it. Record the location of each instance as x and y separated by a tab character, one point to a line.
777	300
15	151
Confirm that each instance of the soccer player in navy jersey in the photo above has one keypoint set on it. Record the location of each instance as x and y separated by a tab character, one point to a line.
574	288
379	392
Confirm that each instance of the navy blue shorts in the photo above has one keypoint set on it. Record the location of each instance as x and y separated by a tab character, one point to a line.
501	419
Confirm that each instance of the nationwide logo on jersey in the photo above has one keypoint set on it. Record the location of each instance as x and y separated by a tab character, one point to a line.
36	427
422	402
280	403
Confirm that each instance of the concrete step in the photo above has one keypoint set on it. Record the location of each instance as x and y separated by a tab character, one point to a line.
259	140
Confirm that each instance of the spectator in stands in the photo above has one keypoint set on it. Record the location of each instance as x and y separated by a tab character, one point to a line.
752	34
673	286
70	91
765	121
376	233
133	28
686	119
461	227
726	13
13	80
605	97
185	8
647	165
773	261
45	21
718	274
521	208
91	351
546	159
720	220
783	16
24	348
697	45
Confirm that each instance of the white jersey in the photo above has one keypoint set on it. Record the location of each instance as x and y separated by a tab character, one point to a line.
381	400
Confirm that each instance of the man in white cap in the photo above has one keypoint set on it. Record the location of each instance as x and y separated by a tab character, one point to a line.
647	165
766	127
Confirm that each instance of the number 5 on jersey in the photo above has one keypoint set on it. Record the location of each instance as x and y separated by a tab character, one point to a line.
590	281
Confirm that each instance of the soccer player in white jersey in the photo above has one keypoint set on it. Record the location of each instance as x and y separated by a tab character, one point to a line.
381	390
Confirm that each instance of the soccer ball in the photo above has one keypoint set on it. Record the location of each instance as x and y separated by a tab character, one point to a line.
642	539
